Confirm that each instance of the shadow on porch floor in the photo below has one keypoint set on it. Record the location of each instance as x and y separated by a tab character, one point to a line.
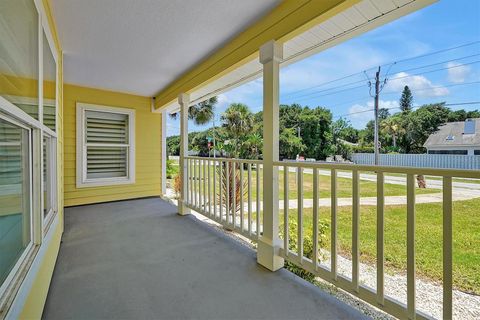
138	259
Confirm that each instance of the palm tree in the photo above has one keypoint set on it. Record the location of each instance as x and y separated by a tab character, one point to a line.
253	144
393	127
201	113
237	123
237	120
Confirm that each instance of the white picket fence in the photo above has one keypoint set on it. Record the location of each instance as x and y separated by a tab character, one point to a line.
445	161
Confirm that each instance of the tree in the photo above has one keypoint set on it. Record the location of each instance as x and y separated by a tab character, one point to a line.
200	142
383	114
315	129
237	120
290	143
252	146
201	113
406	100
421	123
392	126
342	129
237	123
462	115
173	145
366	135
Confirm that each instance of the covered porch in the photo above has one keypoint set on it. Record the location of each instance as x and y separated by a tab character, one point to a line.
139	259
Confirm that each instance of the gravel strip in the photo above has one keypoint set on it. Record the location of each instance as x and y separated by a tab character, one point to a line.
429	295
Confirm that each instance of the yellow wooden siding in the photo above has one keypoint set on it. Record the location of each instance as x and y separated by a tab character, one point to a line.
147	147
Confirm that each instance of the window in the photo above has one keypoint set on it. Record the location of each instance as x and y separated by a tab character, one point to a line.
15	195
476	152
105	145
49	178
19	52
27	139
49	85
460	152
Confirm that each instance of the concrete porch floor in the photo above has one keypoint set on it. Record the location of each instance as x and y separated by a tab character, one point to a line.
138	259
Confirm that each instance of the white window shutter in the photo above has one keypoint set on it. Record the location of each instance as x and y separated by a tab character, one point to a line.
106	138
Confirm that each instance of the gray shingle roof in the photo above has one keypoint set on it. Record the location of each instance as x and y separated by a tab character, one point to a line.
452	134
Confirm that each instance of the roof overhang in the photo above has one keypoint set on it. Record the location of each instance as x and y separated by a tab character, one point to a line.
304	27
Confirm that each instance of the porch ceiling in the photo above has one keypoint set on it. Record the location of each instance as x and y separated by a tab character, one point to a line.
142	46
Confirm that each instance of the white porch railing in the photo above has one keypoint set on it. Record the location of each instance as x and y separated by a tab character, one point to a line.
226	191
376	296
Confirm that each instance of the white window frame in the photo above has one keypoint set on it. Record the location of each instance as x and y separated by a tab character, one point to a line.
33	231
51	183
10	112
81	164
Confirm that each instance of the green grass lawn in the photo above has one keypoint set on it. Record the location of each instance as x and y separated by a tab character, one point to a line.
466	234
367	188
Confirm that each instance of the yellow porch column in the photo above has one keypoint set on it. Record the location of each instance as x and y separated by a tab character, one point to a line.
269	243
184	101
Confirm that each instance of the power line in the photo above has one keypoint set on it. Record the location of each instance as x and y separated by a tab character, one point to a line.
439	51
391	64
437	87
438	63
431	71
396	92
315	94
392	108
324	83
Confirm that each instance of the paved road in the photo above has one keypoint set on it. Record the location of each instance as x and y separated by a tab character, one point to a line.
431	183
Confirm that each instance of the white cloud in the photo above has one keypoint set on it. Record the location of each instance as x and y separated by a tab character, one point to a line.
360	114
420	85
457	73
223	101
329	65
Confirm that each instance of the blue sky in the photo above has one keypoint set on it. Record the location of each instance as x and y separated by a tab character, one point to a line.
445	24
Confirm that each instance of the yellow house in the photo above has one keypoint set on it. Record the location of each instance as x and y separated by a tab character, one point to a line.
85	88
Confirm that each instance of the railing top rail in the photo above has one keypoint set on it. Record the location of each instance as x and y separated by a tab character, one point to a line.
458	173
225	159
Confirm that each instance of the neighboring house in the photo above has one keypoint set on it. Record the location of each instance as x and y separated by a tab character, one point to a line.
456	138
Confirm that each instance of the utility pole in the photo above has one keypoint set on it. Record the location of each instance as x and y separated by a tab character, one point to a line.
376	138
298	132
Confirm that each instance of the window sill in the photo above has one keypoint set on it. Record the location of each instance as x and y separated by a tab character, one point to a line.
104	183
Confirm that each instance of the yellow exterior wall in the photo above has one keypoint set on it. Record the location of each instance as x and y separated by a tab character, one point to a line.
147	147
35	302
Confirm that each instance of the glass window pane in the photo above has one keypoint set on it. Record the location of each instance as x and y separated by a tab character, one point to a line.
49	85
19	54
14	195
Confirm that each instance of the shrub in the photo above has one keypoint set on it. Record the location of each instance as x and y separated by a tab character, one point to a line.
307	246
363	149
177	185
344	150
233	171
172	169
